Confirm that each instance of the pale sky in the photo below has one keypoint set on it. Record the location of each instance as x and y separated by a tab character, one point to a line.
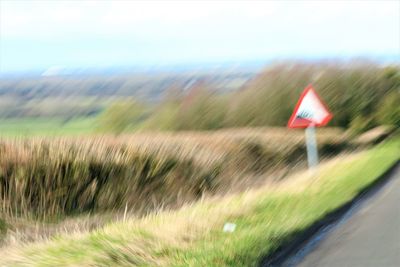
78	34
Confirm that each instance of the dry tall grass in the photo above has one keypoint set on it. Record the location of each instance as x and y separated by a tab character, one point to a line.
56	176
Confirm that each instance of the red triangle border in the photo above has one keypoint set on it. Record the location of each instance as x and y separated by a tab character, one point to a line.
304	123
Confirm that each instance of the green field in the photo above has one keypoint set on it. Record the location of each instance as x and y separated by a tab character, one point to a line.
193	236
46	126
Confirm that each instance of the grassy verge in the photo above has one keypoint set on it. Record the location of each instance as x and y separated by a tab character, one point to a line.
193	236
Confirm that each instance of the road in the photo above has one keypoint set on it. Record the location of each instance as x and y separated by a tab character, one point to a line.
370	236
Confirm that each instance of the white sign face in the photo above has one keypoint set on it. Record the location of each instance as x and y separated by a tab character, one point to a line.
309	111
312	109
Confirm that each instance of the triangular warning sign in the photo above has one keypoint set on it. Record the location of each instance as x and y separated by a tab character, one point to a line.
309	110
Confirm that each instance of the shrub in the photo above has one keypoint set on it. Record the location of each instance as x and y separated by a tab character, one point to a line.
361	124
120	116
389	109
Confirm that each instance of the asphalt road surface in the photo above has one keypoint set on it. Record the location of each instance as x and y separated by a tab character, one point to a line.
370	236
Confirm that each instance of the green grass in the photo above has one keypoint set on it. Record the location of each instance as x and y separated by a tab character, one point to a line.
46	126
192	236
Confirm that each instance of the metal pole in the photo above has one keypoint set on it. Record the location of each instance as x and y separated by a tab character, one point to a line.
312	151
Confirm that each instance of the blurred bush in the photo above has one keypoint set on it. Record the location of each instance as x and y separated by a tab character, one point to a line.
389	109
121	115
360	96
201	110
360	124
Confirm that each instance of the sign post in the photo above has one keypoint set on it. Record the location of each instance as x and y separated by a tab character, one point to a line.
310	112
312	150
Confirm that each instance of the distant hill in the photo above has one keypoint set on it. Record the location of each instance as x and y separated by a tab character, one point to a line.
86	93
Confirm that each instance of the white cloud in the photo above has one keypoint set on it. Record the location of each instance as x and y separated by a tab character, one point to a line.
40	19
75	32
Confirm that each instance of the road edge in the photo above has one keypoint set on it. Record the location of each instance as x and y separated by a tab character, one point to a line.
290	247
